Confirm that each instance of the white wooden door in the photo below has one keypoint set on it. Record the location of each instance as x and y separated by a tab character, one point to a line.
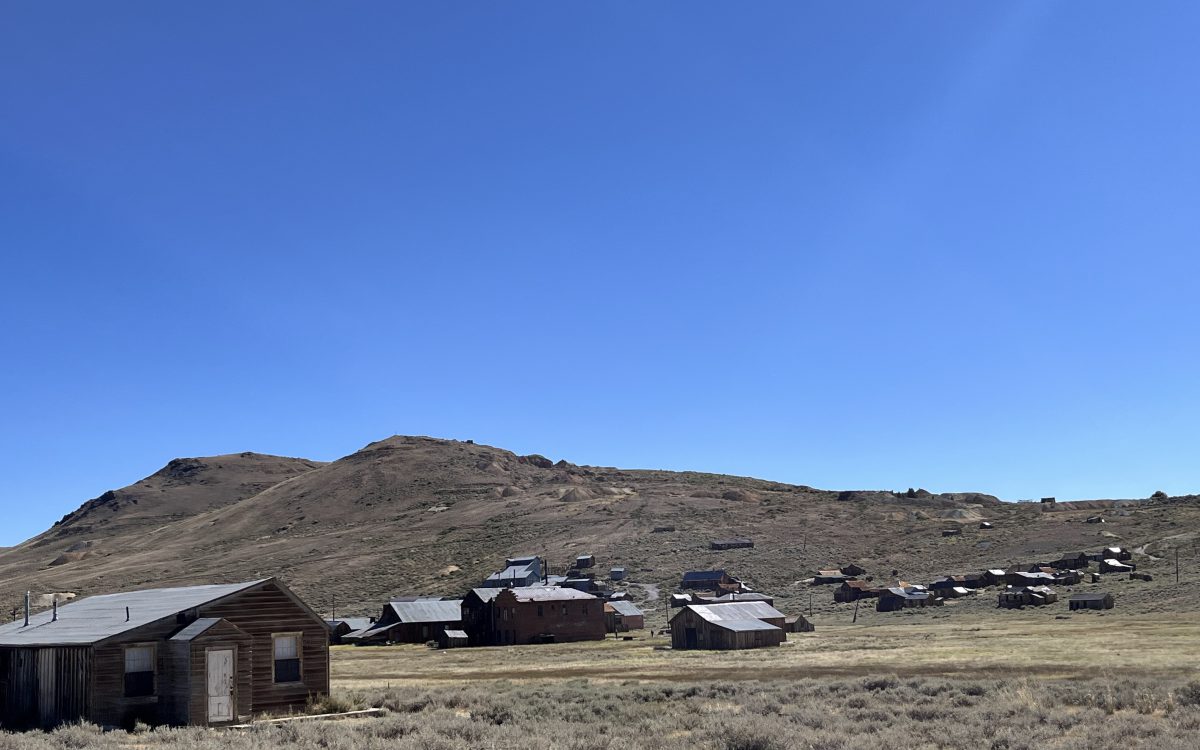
220	685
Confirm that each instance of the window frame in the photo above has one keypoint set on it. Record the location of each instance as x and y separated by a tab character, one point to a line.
299	636
152	647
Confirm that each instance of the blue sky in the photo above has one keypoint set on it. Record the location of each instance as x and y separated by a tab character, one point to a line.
851	245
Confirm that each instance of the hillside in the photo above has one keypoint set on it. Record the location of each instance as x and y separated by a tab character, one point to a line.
411	514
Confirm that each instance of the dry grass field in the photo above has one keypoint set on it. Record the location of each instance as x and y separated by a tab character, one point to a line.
1100	682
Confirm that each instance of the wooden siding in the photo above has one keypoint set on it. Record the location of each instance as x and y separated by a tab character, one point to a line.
710	636
189	667
266	610
43	686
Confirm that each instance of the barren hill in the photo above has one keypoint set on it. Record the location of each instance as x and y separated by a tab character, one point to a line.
411	514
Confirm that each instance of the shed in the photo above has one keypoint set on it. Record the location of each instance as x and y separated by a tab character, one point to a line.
729	626
1090	601
798	624
585	561
616	574
451	638
203	655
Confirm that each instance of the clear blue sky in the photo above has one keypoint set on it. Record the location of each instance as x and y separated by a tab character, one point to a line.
852	245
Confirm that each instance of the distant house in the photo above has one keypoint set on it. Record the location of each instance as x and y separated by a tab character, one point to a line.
202	655
1116	566
1073	561
518	571
617	574
711	580
992	577
798	624
585	561
1032	596
1022	578
621	616
411	622
826	577
853	570
1068	577
1090	601
345	626
734	625
854	590
535	614
730	543
896	598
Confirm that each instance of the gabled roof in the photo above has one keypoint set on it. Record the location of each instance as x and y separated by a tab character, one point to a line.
628	609
534	594
354	623
97	618
735	611
413	612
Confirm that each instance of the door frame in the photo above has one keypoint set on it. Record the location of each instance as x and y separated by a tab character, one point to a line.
233	692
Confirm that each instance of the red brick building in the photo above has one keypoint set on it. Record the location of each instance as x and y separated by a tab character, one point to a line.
534	614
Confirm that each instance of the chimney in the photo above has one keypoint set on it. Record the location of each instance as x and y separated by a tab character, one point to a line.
54	617
26	610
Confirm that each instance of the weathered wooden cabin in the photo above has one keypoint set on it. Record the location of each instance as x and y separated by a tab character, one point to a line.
827	577
853	570
734	625
623	616
1031	596
453	639
707	580
585	561
1109	565
851	591
1090	601
798	624
340	628
419	621
1072	561
205	655
537	614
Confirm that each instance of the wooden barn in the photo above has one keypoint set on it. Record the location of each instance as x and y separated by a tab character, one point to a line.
418	621
735	625
203	655
1090	601
896	598
623	616
536	614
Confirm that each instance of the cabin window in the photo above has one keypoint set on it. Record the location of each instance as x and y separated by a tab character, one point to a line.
139	671
287	657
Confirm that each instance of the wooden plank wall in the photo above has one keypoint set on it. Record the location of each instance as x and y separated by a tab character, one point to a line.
261	612
219	636
43	687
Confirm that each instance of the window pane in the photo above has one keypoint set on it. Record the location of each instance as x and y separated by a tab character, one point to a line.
285	647
287	670
138	684
139	659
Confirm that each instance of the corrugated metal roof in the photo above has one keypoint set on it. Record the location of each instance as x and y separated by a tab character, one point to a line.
354	623
628	609
743	626
534	593
735	611
99	617
410	612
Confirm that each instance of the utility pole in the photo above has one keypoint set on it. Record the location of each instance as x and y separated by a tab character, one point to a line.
856	603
